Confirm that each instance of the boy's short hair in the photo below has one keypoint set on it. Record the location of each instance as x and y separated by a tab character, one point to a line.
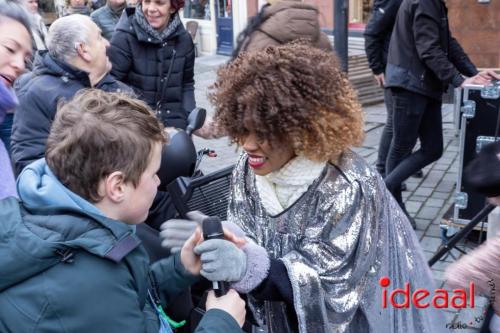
98	133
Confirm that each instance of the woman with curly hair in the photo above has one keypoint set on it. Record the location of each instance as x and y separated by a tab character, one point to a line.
278	22
321	228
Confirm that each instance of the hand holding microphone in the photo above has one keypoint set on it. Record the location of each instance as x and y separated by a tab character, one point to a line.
175	232
223	256
221	260
222	297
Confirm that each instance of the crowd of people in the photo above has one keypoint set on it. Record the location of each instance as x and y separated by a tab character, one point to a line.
312	229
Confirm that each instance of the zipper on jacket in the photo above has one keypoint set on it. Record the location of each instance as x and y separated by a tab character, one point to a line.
67	255
153	291
154	297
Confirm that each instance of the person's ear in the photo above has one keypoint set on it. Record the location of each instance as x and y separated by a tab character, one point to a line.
82	51
115	187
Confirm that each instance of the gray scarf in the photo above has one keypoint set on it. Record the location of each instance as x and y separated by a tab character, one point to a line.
159	36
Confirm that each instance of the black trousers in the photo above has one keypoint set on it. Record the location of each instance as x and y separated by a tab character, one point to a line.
386	138
415	116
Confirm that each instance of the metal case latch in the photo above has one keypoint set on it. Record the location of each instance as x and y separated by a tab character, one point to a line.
482	141
468	109
461	200
490	92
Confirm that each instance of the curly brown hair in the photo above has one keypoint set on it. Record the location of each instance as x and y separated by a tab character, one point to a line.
289	93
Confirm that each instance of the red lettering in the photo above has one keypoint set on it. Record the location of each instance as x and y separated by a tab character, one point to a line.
384	282
406	294
471	291
417	298
441	294
460	295
440	299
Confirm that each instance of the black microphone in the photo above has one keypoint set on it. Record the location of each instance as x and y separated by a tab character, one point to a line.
212	229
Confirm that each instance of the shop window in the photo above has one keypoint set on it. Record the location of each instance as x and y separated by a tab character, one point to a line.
197	9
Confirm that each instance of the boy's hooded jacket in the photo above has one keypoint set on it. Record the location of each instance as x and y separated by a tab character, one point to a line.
68	268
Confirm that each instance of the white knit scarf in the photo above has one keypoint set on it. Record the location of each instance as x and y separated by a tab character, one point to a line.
280	189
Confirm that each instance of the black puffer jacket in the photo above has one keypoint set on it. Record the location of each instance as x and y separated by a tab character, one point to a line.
39	92
160	72
423	56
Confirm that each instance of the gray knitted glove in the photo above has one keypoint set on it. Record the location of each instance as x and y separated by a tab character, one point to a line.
175	232
221	260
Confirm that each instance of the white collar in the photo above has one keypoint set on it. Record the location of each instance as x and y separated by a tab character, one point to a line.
280	189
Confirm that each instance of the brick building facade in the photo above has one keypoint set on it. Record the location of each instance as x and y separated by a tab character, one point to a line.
477	27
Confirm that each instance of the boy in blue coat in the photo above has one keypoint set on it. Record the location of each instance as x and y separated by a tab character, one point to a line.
70	259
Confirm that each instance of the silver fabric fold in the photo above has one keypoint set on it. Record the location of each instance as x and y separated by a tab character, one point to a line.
336	241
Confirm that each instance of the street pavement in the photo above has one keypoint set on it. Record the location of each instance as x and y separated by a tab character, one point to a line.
427	198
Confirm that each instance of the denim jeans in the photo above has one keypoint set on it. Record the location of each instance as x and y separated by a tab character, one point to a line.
6	130
415	117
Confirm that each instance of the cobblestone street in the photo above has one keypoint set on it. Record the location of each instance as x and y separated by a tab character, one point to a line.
427	198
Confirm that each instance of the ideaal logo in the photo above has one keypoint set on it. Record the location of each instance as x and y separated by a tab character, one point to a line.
440	299
422	298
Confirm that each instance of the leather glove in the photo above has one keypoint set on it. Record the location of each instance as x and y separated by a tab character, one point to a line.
175	232
221	260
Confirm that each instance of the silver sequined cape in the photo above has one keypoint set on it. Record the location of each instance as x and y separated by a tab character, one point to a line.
336	241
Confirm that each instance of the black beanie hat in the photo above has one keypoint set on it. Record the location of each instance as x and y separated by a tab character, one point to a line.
483	173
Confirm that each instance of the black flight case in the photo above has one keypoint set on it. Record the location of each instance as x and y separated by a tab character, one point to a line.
479	125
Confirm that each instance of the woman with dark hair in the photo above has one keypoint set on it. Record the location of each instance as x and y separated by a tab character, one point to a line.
324	236
15	50
153	53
